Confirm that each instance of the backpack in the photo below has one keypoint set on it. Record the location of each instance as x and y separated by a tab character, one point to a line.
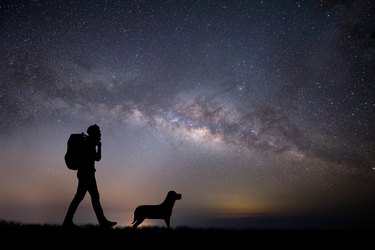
75	151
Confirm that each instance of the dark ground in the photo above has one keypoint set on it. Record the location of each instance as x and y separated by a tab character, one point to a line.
92	236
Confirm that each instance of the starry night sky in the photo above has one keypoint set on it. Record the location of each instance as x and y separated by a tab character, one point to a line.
261	113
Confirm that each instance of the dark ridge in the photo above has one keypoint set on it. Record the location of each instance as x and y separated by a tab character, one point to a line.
18	234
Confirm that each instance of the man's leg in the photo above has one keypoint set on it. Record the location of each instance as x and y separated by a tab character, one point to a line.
95	201
78	197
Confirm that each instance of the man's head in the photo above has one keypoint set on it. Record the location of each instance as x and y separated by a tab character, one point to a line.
94	131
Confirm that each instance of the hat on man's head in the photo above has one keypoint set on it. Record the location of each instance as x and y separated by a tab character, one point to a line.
93	129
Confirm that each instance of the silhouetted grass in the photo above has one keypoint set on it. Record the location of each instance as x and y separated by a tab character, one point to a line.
89	235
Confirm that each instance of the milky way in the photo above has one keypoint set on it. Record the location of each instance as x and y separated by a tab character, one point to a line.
249	108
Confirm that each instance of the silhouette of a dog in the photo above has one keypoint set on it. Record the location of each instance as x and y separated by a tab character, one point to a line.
161	211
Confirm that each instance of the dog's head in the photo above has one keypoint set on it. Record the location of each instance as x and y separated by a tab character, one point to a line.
174	195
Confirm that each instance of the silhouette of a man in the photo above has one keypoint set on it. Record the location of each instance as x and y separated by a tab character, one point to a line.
86	179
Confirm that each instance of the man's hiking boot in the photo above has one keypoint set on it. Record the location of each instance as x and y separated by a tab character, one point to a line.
107	224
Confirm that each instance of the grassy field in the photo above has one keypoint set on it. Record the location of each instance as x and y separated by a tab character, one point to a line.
48	235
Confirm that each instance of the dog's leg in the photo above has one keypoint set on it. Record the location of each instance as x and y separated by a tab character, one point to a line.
138	222
167	222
